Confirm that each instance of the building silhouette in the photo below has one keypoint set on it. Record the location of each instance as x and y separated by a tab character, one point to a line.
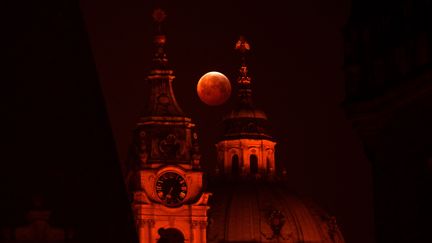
389	99
56	133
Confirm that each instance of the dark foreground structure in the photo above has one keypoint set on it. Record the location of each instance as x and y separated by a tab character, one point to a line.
388	67
57	141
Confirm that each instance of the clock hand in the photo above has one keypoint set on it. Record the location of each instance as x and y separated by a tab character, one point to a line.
169	193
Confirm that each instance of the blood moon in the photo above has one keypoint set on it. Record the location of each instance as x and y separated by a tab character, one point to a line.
214	88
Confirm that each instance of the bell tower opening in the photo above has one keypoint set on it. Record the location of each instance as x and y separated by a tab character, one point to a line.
235	166
170	235
253	164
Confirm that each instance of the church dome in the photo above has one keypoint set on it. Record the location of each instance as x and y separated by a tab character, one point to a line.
246	112
265	212
246	122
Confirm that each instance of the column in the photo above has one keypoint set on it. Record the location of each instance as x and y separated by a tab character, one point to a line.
203	231
144	228
195	232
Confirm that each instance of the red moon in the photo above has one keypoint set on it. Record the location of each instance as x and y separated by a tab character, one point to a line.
214	88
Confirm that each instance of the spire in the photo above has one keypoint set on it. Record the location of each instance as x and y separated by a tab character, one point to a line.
244	81
246	148
162	100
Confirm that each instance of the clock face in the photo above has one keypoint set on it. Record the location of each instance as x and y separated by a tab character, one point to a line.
171	188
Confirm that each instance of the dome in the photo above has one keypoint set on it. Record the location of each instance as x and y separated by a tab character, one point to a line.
265	212
246	113
246	122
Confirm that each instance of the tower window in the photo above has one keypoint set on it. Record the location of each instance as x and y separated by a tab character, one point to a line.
253	164
235	167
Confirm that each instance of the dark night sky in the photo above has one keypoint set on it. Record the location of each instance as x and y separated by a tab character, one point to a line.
296	66
58	138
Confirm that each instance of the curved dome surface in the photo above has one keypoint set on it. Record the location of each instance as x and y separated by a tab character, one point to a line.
265	212
246	122
246	113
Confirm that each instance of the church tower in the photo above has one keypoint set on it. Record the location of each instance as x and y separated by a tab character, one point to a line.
164	175
250	202
246	149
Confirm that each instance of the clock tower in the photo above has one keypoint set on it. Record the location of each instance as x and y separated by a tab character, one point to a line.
163	172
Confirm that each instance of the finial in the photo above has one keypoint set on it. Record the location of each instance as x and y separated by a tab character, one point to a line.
159	39
244	80
159	15
243	47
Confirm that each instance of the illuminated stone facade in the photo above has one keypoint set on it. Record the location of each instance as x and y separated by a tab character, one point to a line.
247	157
164	176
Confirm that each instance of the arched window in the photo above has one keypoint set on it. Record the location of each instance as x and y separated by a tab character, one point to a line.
170	235
253	164
235	166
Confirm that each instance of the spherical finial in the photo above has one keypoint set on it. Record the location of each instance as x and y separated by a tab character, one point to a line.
159	15
160	40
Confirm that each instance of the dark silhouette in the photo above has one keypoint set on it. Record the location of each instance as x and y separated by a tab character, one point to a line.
170	235
57	136
388	65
